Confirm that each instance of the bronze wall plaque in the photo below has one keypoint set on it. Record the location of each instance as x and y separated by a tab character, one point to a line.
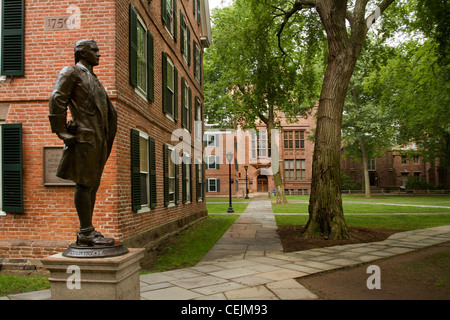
52	157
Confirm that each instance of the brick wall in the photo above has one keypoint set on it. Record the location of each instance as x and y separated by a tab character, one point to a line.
49	219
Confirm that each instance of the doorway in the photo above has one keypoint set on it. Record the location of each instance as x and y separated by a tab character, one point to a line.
263	185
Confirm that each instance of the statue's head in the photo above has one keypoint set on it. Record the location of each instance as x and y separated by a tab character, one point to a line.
88	50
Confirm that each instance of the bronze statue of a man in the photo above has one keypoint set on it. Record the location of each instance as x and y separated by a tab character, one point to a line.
88	137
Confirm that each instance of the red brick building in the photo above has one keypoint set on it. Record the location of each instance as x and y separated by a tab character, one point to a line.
251	148
392	171
389	173
151	67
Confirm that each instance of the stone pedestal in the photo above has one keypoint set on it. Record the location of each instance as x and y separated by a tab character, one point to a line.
113	278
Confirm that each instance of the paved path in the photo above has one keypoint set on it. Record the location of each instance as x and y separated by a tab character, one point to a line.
248	263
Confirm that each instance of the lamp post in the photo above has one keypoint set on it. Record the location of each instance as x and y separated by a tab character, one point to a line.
229	158
246	180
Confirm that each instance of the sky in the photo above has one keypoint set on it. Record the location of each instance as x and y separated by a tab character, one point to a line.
218	3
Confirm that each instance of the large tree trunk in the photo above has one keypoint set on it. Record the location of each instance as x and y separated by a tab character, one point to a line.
326	216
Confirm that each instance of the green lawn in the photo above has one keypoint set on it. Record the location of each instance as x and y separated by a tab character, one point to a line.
221	205
438	200
376	204
12	284
394	222
191	245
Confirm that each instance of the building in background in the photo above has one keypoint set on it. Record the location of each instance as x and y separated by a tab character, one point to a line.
151	67
251	148
392	172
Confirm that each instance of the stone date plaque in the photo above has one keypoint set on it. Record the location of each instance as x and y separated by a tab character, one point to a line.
52	157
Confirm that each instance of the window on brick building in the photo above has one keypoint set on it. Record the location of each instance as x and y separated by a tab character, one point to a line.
170	88
211	140
295	169
171	183
199	173
197	11
169	16
186	105
300	168
259	144
294	139
371	165
288	140
185	36
198	120
213	185
187	179
141	56
197	63
213	162
12	33
143	181
289	169
299	139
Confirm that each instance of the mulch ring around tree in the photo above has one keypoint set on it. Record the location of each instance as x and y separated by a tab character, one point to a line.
418	275
292	239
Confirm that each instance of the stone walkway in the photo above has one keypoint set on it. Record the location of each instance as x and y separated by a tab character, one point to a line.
248	263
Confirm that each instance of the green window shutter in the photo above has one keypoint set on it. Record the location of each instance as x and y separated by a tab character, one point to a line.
218	185
164	11
183	184
12	33
190	181
133	46
152	160
175	20
177	184
175	102
164	82
182	35
203	182
135	171
183	113
197	182
150	68
12	171
189	117
188	45
166	174
217	162
195	57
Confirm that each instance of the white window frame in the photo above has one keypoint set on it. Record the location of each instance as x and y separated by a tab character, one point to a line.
187	183
186	107
171	112
209	185
170	26
145	207
142	60
199	180
172	168
212	142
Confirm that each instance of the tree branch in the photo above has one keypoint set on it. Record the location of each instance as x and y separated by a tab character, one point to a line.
378	12
298	5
